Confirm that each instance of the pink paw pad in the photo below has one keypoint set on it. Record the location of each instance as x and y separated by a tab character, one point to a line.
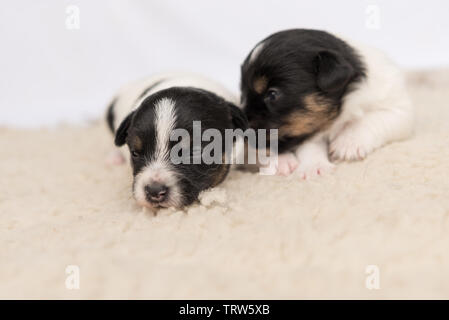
286	164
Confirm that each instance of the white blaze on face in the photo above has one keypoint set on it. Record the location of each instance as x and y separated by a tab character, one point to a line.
165	119
158	168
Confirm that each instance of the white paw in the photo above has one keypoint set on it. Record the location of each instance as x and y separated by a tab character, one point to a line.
310	170
287	163
115	158
350	145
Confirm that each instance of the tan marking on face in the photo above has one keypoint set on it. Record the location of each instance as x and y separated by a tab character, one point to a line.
137	143
260	84
317	116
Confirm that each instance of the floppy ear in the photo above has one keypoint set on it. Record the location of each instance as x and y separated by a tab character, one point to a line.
238	118
122	131
333	71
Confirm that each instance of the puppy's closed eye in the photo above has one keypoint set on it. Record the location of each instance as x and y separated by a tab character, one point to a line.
135	154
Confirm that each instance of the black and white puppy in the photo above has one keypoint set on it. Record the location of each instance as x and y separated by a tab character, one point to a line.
143	115
329	98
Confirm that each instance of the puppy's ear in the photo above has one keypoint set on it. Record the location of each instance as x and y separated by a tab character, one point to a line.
122	131
238	118
333	71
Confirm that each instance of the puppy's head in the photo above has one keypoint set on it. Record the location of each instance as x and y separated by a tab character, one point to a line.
294	81
158	180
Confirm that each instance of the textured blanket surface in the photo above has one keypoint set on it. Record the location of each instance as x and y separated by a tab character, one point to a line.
252	237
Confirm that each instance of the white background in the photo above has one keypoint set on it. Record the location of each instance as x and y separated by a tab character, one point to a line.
50	74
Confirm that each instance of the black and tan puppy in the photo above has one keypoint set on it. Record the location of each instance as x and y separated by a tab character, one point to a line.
145	114
328	98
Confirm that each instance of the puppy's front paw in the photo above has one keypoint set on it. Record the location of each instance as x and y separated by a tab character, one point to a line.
310	170
287	163
350	145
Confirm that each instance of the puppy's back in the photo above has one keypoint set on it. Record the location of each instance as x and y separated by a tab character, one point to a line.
132	94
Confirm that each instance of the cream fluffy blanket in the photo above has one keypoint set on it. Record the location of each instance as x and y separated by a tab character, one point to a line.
253	237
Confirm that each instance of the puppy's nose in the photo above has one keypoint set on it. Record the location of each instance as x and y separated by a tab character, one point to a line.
156	192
